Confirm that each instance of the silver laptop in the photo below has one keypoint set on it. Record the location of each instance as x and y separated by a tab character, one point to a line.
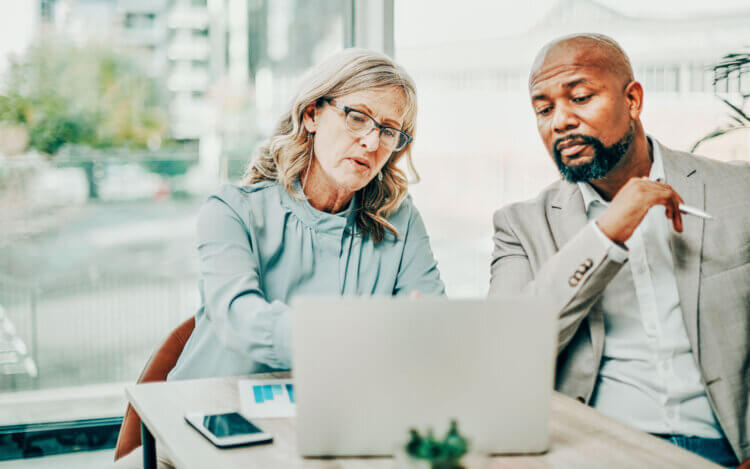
368	370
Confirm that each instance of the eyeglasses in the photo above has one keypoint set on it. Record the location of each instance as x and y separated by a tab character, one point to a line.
362	124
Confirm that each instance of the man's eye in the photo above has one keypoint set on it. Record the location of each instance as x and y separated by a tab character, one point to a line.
543	111
581	99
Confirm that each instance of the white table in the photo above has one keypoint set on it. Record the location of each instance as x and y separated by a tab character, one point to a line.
580	437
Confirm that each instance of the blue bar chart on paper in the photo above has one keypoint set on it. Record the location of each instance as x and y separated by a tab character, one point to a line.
268	392
267	398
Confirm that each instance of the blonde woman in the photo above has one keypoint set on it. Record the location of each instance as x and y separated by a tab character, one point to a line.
323	210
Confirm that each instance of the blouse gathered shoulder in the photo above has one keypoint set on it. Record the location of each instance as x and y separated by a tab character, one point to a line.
259	247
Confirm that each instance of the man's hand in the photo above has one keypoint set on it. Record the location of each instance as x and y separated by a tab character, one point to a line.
631	203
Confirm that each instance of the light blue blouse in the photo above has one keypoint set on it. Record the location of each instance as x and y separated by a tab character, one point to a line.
259	247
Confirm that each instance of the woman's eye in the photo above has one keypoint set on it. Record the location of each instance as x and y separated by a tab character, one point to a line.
359	117
389	132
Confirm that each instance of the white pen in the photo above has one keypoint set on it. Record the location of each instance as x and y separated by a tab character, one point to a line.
688	210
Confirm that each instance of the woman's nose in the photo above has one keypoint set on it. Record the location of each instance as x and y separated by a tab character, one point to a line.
371	141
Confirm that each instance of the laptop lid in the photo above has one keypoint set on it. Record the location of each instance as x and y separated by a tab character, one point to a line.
368	370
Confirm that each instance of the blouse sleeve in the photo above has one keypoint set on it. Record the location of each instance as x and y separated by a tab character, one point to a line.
418	270
242	318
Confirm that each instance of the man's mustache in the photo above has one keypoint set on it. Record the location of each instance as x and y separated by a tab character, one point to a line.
578	138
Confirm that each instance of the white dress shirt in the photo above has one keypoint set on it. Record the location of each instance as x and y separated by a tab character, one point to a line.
648	375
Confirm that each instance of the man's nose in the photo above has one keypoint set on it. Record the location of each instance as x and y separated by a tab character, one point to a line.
564	119
371	141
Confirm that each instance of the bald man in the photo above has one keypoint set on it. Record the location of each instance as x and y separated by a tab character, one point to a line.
654	321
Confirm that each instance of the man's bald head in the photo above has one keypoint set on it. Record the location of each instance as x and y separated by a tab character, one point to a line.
590	50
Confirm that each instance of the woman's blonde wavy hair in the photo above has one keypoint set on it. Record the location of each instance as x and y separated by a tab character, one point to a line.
286	155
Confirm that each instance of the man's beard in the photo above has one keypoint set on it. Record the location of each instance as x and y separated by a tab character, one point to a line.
605	158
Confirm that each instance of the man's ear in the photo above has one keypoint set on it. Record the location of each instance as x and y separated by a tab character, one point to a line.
310	117
634	97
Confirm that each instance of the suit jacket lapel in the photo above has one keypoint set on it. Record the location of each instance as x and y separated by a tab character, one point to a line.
687	246
567	217
567	213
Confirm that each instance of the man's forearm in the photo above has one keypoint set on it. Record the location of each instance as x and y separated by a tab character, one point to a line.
572	279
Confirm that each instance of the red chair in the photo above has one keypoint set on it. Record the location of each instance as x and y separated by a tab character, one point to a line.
157	368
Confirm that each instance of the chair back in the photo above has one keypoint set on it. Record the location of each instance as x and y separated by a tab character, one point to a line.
157	368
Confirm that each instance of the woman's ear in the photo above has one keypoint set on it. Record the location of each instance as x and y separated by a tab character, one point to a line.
310	117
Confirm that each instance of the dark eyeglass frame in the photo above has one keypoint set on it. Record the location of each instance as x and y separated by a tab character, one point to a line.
376	125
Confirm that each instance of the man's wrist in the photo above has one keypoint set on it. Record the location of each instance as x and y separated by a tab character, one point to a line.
617	251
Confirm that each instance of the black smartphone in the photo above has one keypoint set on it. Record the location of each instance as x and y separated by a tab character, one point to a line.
227	430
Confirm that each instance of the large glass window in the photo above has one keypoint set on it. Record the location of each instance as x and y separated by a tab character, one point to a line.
116	119
477	147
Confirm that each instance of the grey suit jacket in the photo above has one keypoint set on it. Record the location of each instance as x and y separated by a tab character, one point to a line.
545	246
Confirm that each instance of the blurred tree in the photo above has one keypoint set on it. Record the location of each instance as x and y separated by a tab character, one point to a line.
90	95
15	108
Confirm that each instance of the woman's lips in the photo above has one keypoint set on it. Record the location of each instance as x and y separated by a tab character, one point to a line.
359	164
